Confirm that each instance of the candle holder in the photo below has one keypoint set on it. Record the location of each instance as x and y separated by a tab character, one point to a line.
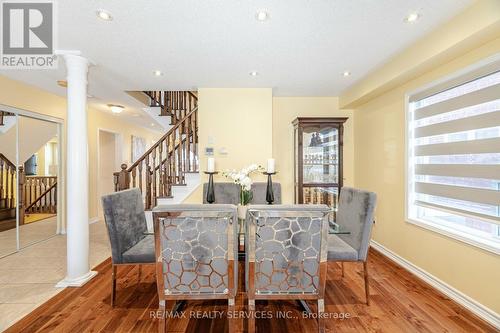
269	190
210	189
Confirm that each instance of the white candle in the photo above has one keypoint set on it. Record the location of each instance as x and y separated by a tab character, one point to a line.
211	164
271	165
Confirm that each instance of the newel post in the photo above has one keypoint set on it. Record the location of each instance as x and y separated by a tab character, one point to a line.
21	203
122	179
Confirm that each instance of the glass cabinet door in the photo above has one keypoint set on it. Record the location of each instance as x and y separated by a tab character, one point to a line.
318	160
321	195
320	155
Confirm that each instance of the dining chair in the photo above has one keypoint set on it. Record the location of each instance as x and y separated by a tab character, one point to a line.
259	190
355	213
225	193
196	254
286	255
127	230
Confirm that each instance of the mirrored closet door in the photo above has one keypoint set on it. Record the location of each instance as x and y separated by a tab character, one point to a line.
30	164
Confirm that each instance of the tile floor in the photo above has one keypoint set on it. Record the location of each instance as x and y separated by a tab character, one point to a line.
28	277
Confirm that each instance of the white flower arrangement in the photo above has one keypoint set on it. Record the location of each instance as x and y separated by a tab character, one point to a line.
243	179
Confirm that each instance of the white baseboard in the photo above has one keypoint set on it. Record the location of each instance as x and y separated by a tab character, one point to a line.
94	220
477	308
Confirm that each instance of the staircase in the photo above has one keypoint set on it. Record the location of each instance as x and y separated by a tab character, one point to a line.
168	171
7	194
38	194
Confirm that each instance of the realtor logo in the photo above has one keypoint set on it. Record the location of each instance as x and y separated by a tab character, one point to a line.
27	35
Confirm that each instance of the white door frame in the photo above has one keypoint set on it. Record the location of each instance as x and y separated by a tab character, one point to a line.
118	161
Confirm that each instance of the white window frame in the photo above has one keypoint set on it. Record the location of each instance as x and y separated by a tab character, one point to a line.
441	228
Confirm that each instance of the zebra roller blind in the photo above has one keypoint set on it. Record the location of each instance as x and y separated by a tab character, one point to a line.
454	150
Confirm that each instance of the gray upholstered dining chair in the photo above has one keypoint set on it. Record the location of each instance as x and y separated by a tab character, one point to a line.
197	254
127	230
355	213
259	190
225	193
286	254
229	193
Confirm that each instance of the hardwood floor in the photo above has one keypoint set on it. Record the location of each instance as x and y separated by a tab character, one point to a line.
399	303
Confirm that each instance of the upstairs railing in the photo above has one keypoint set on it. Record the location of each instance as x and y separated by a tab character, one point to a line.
176	104
40	194
165	164
37	194
7	183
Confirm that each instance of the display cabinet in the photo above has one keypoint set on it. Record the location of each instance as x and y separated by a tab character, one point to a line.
318	160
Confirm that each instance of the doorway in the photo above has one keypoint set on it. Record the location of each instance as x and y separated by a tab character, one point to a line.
109	159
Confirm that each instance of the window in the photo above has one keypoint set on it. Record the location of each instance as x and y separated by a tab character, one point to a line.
453	158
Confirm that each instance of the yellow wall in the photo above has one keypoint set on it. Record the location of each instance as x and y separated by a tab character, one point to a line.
20	95
40	161
100	120
285	110
239	120
380	167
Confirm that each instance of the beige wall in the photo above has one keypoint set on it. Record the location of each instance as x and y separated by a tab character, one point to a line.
380	166
100	120
20	95
239	120
285	110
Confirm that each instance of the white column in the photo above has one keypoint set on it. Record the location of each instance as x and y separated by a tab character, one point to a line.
77	175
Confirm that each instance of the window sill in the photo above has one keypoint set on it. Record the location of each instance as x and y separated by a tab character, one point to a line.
457	235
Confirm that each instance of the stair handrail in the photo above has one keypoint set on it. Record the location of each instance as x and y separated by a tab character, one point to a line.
39	198
154	173
160	140
6	160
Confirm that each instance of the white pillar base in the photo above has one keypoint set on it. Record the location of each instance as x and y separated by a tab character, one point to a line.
78	282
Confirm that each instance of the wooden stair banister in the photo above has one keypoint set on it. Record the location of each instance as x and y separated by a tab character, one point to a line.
7	177
35	190
45	202
164	164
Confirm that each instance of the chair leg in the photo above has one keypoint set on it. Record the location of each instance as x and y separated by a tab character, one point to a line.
251	317
342	266
162	322
321	319
231	320
367	285
113	284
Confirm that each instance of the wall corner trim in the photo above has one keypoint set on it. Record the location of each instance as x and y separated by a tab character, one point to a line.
472	305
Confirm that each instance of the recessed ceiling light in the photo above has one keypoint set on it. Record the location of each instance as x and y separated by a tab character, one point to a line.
116	108
152	124
254	73
262	15
157	73
346	73
104	15
62	83
412	18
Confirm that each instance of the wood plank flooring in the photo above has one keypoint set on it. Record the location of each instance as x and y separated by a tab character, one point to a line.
399	303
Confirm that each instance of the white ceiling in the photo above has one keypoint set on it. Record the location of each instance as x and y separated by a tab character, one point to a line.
302	50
